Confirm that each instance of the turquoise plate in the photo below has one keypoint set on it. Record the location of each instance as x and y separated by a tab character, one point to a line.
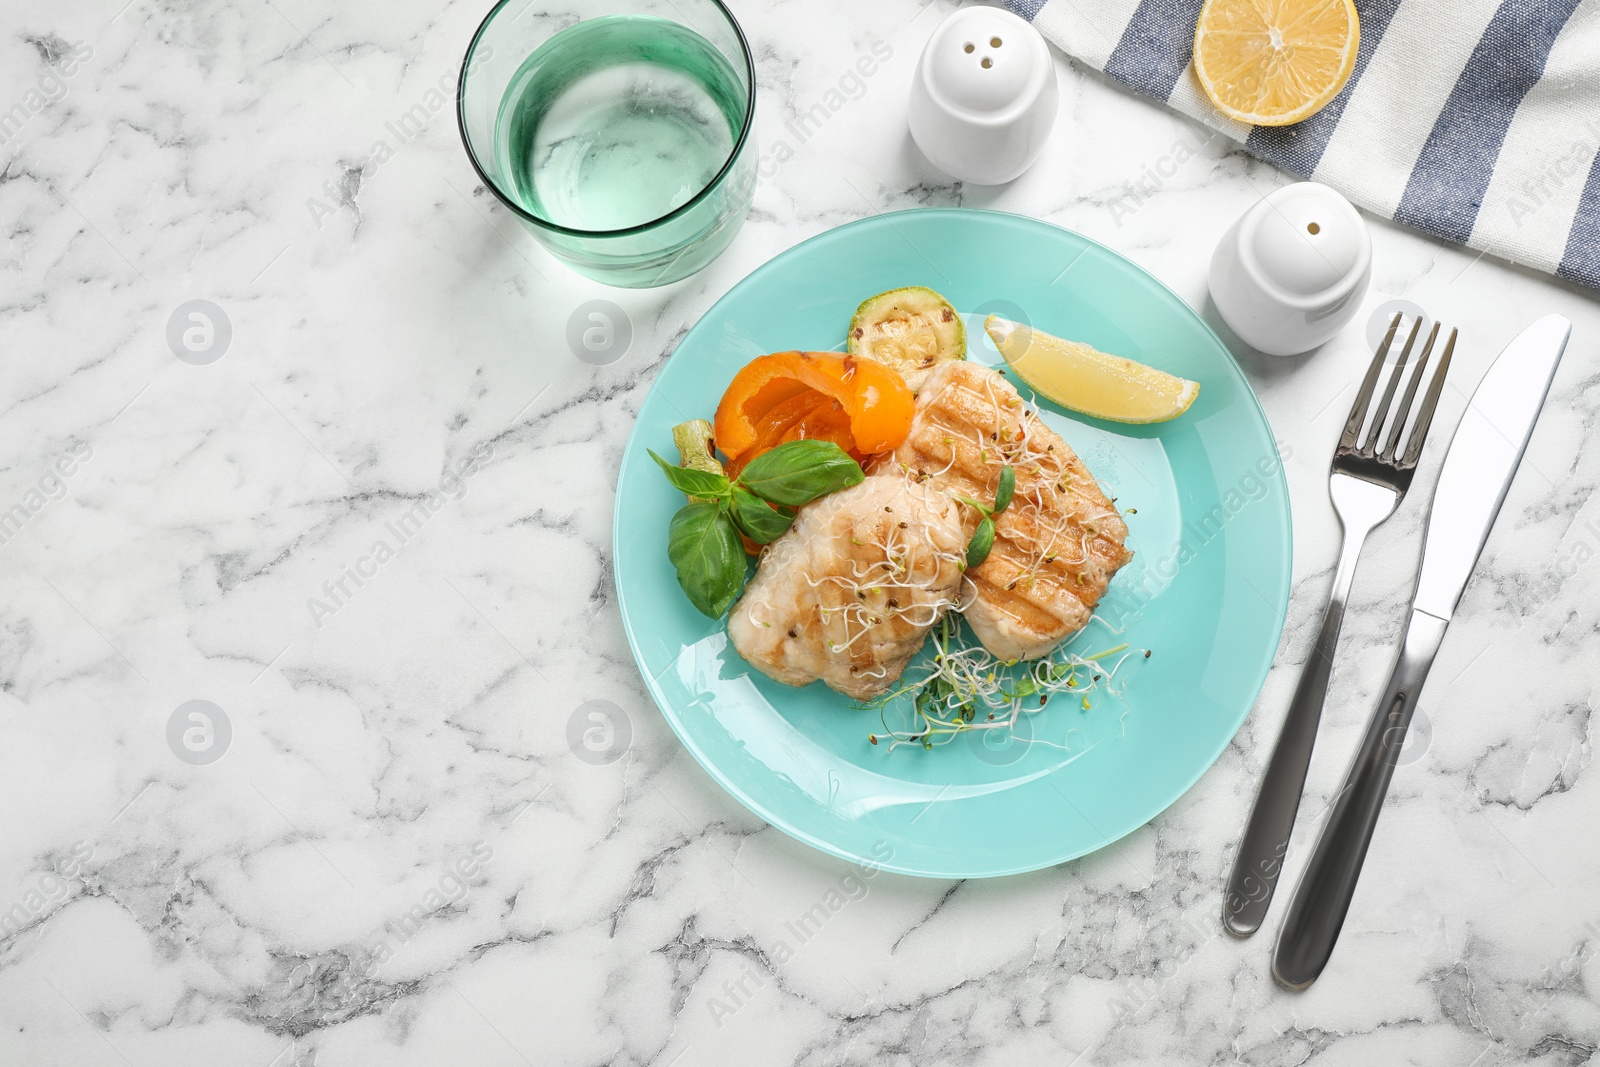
1206	592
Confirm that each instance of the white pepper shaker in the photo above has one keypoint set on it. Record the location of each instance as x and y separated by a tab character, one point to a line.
1293	270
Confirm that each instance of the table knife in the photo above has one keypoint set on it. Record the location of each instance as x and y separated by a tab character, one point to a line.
1478	467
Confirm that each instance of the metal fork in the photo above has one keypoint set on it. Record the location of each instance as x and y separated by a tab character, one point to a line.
1366	484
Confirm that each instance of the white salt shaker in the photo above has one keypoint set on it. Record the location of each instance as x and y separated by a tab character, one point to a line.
984	96
1293	270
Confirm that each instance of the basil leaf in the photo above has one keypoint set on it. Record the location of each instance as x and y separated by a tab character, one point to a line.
704	547
982	541
798	472
760	521
692	482
1006	489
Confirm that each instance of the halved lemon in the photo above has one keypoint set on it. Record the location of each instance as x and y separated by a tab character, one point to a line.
1081	377
1275	62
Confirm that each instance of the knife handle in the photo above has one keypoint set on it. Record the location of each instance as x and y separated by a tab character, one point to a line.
1329	882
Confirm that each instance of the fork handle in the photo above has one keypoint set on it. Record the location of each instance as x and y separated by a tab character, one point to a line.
1259	860
1323	897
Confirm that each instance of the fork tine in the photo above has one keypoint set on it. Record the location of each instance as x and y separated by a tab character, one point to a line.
1358	410
1391	447
1419	434
1388	391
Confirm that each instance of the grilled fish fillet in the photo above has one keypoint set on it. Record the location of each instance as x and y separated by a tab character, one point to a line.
1060	542
848	593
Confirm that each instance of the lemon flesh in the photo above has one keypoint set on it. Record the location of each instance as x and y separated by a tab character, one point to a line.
1275	62
1082	378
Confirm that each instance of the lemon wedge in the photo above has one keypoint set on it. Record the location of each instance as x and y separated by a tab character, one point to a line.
1080	377
1275	62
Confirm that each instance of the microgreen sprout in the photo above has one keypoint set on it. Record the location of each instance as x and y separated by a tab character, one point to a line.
983	537
964	687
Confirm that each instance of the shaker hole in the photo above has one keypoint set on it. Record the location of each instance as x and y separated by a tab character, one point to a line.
1313	229
987	63
994	42
968	47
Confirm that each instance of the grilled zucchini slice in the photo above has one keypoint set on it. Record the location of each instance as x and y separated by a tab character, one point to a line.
913	330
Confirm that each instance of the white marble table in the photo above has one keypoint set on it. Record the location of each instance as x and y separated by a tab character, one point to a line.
398	859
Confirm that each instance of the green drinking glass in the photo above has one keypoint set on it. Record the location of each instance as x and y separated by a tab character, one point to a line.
618	131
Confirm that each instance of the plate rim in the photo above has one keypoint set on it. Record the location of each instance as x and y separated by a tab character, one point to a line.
771	818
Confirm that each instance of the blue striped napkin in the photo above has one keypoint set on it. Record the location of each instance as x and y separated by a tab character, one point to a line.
1475	121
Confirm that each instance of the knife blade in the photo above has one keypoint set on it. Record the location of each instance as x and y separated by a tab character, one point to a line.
1483	456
